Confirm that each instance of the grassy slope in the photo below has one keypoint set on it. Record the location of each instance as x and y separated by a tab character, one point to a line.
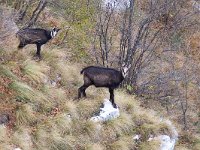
40	112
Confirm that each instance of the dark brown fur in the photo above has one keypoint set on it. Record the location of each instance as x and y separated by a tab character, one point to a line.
101	77
34	36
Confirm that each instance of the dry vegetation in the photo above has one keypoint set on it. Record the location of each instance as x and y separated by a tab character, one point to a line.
46	116
39	95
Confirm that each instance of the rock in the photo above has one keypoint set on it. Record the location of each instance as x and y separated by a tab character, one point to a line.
4	118
8	28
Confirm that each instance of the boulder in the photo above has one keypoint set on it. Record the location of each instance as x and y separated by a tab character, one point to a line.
4	119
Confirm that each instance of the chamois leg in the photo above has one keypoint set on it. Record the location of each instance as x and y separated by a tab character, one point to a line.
84	94
87	83
38	50
81	91
21	45
111	90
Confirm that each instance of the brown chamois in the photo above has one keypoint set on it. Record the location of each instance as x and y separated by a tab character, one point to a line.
102	77
35	36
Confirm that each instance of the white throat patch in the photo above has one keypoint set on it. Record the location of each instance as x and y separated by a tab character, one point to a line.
53	33
125	70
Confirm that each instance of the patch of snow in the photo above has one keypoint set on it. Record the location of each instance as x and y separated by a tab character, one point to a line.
167	142
108	112
137	137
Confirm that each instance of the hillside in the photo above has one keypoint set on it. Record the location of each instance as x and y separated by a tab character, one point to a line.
39	109
39	99
44	115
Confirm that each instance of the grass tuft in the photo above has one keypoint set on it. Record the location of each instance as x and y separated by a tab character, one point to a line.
22	138
153	145
125	143
95	146
35	71
4	71
122	125
3	134
71	108
25	115
25	92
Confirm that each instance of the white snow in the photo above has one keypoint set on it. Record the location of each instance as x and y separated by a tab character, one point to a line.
137	137
167	142
108	112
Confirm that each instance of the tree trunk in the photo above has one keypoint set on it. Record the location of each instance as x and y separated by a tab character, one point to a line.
36	12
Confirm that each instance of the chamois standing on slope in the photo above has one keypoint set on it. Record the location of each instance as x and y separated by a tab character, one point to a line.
35	36
102	77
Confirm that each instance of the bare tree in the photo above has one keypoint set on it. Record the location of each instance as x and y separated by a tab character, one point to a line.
40	7
104	31
23	10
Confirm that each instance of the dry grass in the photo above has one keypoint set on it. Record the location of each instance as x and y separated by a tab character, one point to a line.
125	143
25	115
71	108
95	146
124	125
35	71
3	134
153	145
54	133
25	92
22	138
4	71
47	117
70	73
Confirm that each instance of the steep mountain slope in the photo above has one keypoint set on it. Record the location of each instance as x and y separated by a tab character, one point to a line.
39	98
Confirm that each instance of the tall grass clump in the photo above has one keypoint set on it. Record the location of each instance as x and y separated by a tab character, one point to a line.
48	136
4	139
54	55
56	95
95	146
4	71
70	73
71	108
22	138
24	92
123	125
25	115
3	134
123	143
35	71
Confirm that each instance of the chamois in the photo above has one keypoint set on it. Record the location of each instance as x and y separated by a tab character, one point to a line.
102	77
35	36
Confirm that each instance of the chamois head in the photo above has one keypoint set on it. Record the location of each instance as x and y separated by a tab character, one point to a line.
54	31
125	69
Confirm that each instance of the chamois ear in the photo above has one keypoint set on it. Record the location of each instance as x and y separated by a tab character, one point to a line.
56	29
